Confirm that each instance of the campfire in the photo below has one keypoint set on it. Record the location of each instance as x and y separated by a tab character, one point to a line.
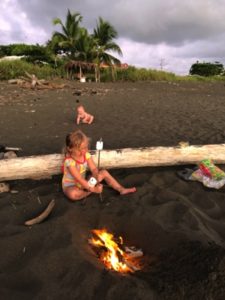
113	253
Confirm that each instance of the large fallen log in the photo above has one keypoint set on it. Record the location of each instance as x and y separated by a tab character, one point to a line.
47	165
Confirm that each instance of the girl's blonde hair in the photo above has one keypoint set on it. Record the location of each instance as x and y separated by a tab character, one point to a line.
74	140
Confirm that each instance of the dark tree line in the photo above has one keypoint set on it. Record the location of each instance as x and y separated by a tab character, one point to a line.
207	69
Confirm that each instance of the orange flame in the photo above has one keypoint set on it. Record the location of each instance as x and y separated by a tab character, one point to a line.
114	257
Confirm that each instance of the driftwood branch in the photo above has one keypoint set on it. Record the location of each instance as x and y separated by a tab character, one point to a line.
16	81
47	165
42	216
6	148
34	79
31	81
12	149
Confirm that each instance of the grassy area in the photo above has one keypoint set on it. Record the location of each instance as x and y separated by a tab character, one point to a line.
16	69
134	74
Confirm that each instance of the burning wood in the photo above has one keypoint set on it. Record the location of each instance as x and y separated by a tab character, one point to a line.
113	254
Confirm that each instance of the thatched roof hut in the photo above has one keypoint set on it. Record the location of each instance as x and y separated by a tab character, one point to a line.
78	67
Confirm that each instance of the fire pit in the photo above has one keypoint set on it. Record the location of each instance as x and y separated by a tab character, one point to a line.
113	253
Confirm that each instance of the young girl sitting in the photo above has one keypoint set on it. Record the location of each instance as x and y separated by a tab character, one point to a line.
77	159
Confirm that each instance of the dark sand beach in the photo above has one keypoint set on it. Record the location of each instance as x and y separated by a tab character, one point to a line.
179	225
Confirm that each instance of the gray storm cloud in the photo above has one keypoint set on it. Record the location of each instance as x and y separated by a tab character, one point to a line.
188	29
152	22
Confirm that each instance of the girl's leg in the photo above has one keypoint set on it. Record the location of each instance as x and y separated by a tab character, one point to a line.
111	181
74	193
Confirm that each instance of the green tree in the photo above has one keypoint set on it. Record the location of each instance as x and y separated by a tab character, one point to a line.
84	46
32	53
80	45
103	41
6	50
67	39
206	69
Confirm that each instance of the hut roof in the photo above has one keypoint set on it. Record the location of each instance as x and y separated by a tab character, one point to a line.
80	64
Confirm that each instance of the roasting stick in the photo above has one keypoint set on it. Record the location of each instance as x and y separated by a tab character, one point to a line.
99	147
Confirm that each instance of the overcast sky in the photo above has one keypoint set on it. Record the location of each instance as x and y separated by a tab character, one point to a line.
154	34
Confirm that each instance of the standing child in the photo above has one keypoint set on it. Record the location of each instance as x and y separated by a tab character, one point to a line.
77	159
83	116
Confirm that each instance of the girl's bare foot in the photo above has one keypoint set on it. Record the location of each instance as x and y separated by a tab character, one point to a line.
125	191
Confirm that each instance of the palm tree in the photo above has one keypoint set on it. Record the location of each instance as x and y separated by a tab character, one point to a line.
103	37
77	42
67	39
85	46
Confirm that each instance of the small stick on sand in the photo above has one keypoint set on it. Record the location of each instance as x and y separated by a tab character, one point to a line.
42	216
12	149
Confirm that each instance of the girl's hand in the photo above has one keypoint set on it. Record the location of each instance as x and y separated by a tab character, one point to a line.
97	189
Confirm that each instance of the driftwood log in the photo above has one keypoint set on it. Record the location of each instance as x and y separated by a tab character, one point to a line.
44	166
31	81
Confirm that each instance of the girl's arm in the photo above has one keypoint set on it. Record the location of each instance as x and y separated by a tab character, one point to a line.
84	183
